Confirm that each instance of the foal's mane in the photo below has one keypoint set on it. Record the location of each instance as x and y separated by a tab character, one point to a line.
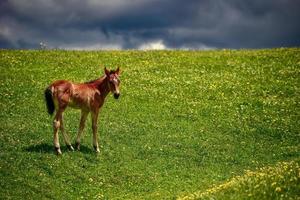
96	80
101	78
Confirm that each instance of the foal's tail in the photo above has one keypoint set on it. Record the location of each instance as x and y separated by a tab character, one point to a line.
49	101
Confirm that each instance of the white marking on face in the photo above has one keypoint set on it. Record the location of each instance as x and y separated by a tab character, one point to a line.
115	80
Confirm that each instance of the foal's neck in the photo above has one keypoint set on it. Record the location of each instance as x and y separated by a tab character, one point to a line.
103	86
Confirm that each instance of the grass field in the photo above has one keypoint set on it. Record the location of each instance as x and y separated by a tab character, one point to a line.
189	124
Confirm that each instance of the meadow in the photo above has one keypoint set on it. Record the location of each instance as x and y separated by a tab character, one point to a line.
220	124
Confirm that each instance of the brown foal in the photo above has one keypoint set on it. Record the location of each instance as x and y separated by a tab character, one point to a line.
89	97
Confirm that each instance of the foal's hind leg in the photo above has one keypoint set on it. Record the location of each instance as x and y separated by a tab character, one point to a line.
57	124
84	115
65	135
95	127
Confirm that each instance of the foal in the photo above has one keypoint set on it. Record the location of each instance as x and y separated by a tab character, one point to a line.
89	97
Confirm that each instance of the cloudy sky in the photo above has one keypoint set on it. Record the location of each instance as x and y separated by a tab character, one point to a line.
149	24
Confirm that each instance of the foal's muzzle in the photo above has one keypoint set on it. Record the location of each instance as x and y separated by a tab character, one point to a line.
116	95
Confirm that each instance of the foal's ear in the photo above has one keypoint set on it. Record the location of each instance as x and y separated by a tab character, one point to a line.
106	71
118	71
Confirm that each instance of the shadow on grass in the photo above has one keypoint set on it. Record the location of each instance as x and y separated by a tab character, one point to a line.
48	148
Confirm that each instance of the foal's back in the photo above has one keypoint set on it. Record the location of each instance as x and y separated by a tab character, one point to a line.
76	95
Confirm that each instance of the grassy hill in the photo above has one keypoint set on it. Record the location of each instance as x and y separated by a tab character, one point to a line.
187	122
273	182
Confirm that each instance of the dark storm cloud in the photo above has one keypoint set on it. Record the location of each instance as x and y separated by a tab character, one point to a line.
196	24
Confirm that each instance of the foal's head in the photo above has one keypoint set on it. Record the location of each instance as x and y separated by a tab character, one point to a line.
113	81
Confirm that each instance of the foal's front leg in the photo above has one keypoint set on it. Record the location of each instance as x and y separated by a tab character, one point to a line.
94	127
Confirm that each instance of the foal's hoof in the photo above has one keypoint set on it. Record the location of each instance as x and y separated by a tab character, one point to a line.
70	147
77	146
57	151
97	150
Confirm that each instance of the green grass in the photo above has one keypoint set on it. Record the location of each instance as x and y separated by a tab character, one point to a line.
186	122
279	182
